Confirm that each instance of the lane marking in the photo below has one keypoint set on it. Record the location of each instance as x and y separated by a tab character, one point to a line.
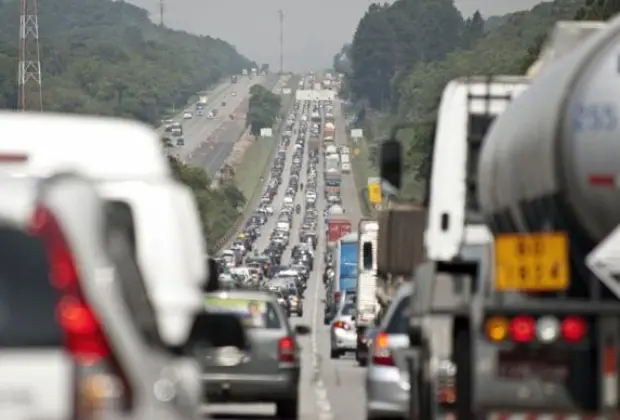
324	407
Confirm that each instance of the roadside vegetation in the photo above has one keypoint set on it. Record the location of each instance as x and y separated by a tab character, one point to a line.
107	58
402	56
263	109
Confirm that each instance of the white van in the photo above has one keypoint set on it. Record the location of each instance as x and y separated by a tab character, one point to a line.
127	163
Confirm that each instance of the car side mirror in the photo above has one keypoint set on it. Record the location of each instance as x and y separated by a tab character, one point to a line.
212	283
302	330
391	162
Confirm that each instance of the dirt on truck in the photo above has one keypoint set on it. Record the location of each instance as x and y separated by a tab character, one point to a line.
337	228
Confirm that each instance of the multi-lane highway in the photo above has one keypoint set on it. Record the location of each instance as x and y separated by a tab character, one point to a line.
208	142
212	153
329	389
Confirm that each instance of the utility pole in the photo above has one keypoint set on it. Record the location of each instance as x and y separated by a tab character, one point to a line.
281	15
161	12
29	92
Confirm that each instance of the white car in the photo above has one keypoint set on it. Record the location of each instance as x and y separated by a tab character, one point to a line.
52	359
234	94
188	116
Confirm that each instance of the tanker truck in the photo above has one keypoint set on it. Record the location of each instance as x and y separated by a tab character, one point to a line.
547	180
520	250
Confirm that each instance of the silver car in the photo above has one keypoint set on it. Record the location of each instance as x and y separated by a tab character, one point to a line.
387	377
266	367
343	334
79	330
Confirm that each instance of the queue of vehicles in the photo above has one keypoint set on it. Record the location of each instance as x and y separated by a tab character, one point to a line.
499	299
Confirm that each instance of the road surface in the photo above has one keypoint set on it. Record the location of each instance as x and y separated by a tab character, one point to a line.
220	140
200	130
329	389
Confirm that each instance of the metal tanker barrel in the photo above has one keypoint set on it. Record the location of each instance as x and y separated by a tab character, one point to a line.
551	161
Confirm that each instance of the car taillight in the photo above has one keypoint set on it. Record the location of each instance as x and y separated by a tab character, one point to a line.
336	297
85	339
381	354
287	350
342	325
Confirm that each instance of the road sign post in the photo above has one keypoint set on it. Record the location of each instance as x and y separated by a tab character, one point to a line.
374	191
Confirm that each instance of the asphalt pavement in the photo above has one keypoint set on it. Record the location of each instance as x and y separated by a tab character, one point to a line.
212	153
329	389
200	130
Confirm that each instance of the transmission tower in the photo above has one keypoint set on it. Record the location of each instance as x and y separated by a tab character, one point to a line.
281	15
29	95
162	9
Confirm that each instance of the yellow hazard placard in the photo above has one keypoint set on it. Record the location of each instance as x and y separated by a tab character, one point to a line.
536	262
374	193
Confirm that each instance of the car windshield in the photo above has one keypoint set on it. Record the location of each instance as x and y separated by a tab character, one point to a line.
254	313
399	321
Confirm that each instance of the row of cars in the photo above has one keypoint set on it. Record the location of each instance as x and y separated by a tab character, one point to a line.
276	282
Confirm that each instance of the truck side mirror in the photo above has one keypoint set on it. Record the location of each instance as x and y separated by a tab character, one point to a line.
391	162
212	283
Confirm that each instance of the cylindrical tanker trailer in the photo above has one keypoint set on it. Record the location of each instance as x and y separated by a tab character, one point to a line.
551	161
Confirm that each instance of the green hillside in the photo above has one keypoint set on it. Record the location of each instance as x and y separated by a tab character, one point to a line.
104	57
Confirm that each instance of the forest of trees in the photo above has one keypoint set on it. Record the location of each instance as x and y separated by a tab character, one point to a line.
107	58
263	109
402	56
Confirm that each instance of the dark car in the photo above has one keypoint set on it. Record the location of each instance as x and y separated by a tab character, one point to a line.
264	365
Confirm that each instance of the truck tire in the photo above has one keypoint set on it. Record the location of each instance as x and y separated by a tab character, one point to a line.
334	354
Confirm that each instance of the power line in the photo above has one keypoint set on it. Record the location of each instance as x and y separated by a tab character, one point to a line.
281	15
29	67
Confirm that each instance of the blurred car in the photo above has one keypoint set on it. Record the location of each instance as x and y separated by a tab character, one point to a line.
76	313
267	367
342	333
387	382
187	115
133	188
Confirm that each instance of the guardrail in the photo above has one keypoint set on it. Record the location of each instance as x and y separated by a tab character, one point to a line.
251	202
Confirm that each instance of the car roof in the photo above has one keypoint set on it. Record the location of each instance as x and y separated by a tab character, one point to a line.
51	143
242	294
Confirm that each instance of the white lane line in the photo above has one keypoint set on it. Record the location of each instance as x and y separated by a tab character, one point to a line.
324	407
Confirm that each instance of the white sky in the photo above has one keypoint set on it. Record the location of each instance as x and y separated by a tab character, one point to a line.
314	30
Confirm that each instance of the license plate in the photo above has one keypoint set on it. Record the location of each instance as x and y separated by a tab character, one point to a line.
542	365
532	262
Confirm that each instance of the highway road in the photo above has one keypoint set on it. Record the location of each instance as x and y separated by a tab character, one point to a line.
329	389
212	154
200	130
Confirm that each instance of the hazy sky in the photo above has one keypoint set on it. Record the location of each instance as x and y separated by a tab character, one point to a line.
313	30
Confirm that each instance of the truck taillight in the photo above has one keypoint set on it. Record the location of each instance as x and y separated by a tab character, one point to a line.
104	380
545	329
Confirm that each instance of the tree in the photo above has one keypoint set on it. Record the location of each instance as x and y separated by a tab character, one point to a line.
108	58
473	30
423	44
391	39
263	109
